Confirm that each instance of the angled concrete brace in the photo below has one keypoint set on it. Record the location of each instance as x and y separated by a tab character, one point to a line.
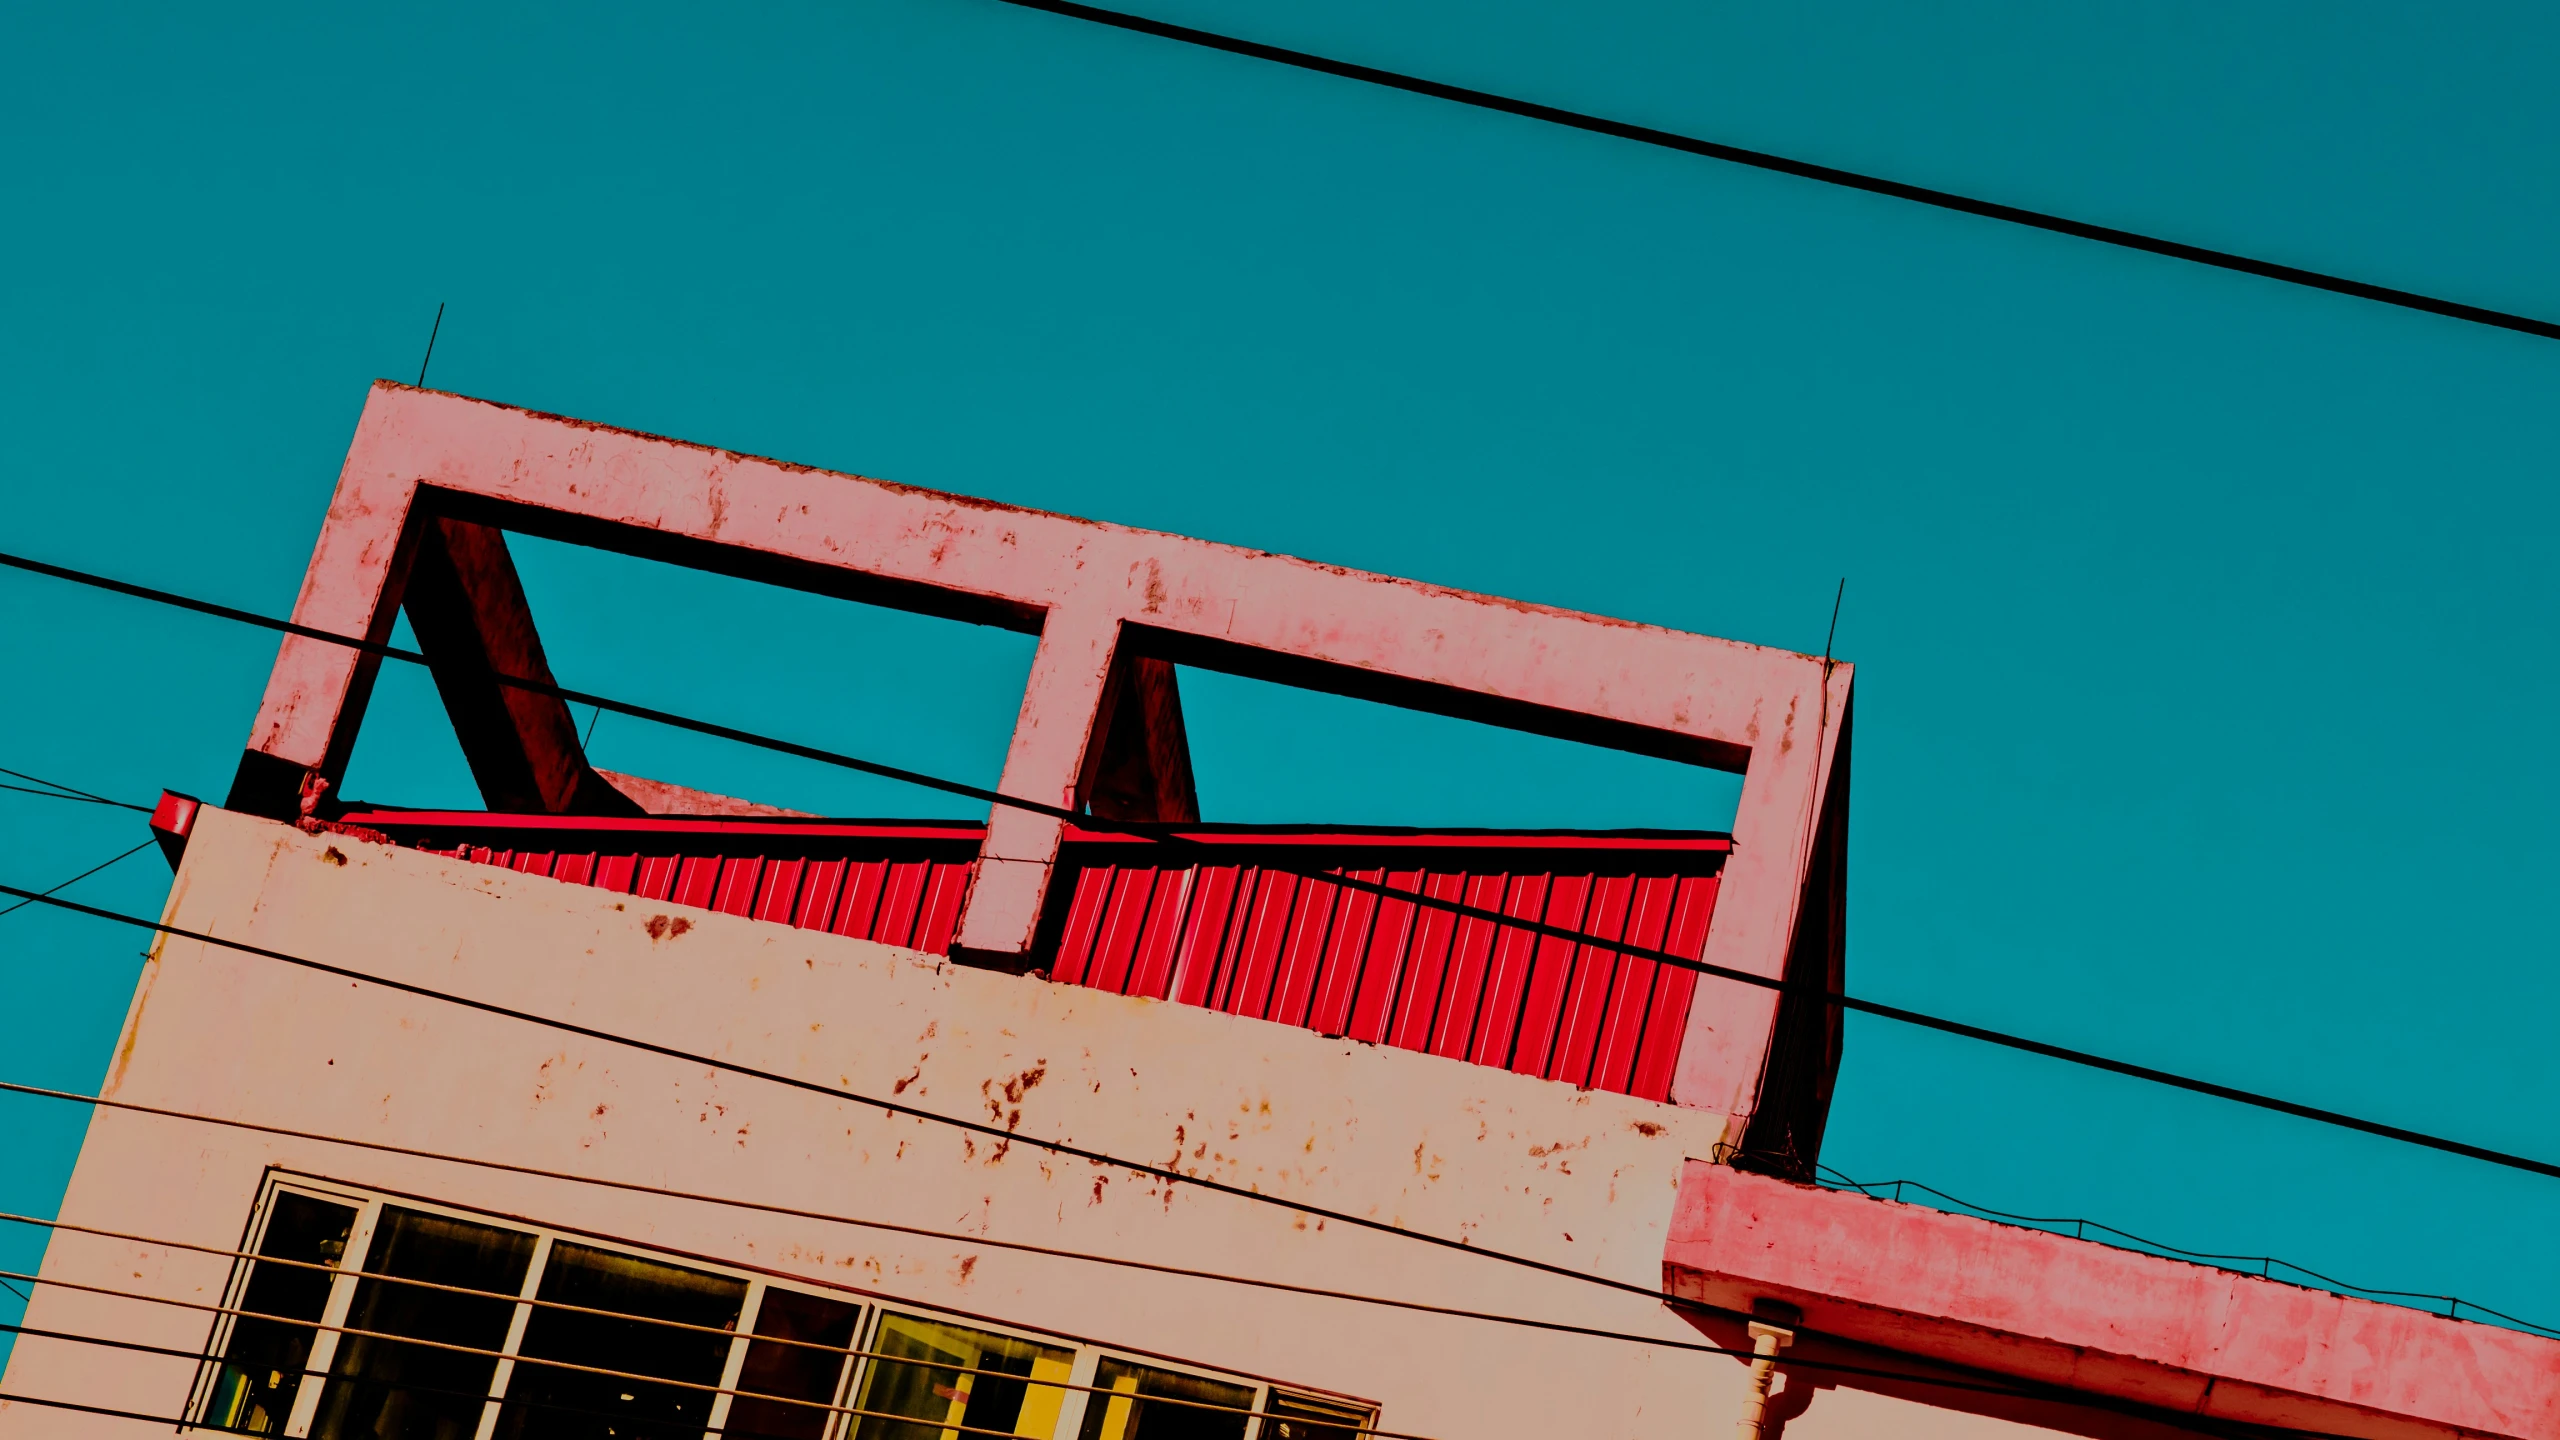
1100	723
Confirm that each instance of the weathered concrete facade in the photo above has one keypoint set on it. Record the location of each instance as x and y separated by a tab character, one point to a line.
807	1191
1575	1178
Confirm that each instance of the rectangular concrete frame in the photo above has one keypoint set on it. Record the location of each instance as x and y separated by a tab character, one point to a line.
1091	591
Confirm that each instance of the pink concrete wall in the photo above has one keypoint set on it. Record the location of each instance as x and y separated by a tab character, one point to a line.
1578	1178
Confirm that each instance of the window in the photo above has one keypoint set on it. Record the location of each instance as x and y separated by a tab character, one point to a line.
262	1367
378	1385
462	1327
952	1375
1141	1402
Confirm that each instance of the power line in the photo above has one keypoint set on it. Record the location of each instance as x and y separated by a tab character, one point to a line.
85	874
1801	169
2017	1387
432	333
897	1107
976	1241
1069	1149
58	785
411	1387
961	1238
75	799
1169	836
640	712
175	1422
481	1351
2080	1228
1784	1363
56	790
724	1332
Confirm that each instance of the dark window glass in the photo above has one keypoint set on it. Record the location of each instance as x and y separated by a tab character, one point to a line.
263	1362
949	1375
548	1403
1306	1417
381	1389
1137	1406
799	1372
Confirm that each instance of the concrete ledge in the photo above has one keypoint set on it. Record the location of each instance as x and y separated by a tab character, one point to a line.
2187	1338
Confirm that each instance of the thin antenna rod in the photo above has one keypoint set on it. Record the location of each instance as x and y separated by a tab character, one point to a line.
1834	631
431	345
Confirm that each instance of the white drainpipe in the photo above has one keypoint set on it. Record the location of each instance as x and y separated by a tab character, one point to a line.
1766	1341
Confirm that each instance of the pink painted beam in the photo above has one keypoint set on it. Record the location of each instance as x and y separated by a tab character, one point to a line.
2021	1302
1101	596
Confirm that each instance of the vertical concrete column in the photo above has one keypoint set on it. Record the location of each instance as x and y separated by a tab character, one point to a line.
317	691
1061	708
1725	1053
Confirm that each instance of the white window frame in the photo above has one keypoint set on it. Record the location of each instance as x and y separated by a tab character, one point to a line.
874	1312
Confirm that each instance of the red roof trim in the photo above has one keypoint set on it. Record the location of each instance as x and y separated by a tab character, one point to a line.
488	822
493	823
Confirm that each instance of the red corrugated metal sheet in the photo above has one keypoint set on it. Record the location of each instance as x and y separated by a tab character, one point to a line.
1262	937
899	884
1256	934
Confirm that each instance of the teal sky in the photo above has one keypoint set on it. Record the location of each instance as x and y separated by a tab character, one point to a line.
2202	623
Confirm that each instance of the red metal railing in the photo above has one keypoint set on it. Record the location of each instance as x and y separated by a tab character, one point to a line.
1255	930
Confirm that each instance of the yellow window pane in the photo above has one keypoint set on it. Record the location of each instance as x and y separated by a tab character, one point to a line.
945	1376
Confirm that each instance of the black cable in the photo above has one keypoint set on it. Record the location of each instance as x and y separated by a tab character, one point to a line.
2200	1087
969	1240
537	687
65	792
68	792
202	1357
1169	836
723	1333
75	799
764	1207
1801	169
438	329
85	874
794	1082
175	1422
2080	1227
1986	1383
1164	1174
65	787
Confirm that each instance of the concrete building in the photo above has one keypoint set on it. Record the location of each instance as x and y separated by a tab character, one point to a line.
623	1109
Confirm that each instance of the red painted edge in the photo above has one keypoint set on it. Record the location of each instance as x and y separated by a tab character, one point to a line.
1651	842
1384	838
488	821
171	821
2100	1320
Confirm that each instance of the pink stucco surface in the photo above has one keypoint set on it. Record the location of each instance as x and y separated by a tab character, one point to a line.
1089	589
1577	1178
2023	1302
1585	1179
